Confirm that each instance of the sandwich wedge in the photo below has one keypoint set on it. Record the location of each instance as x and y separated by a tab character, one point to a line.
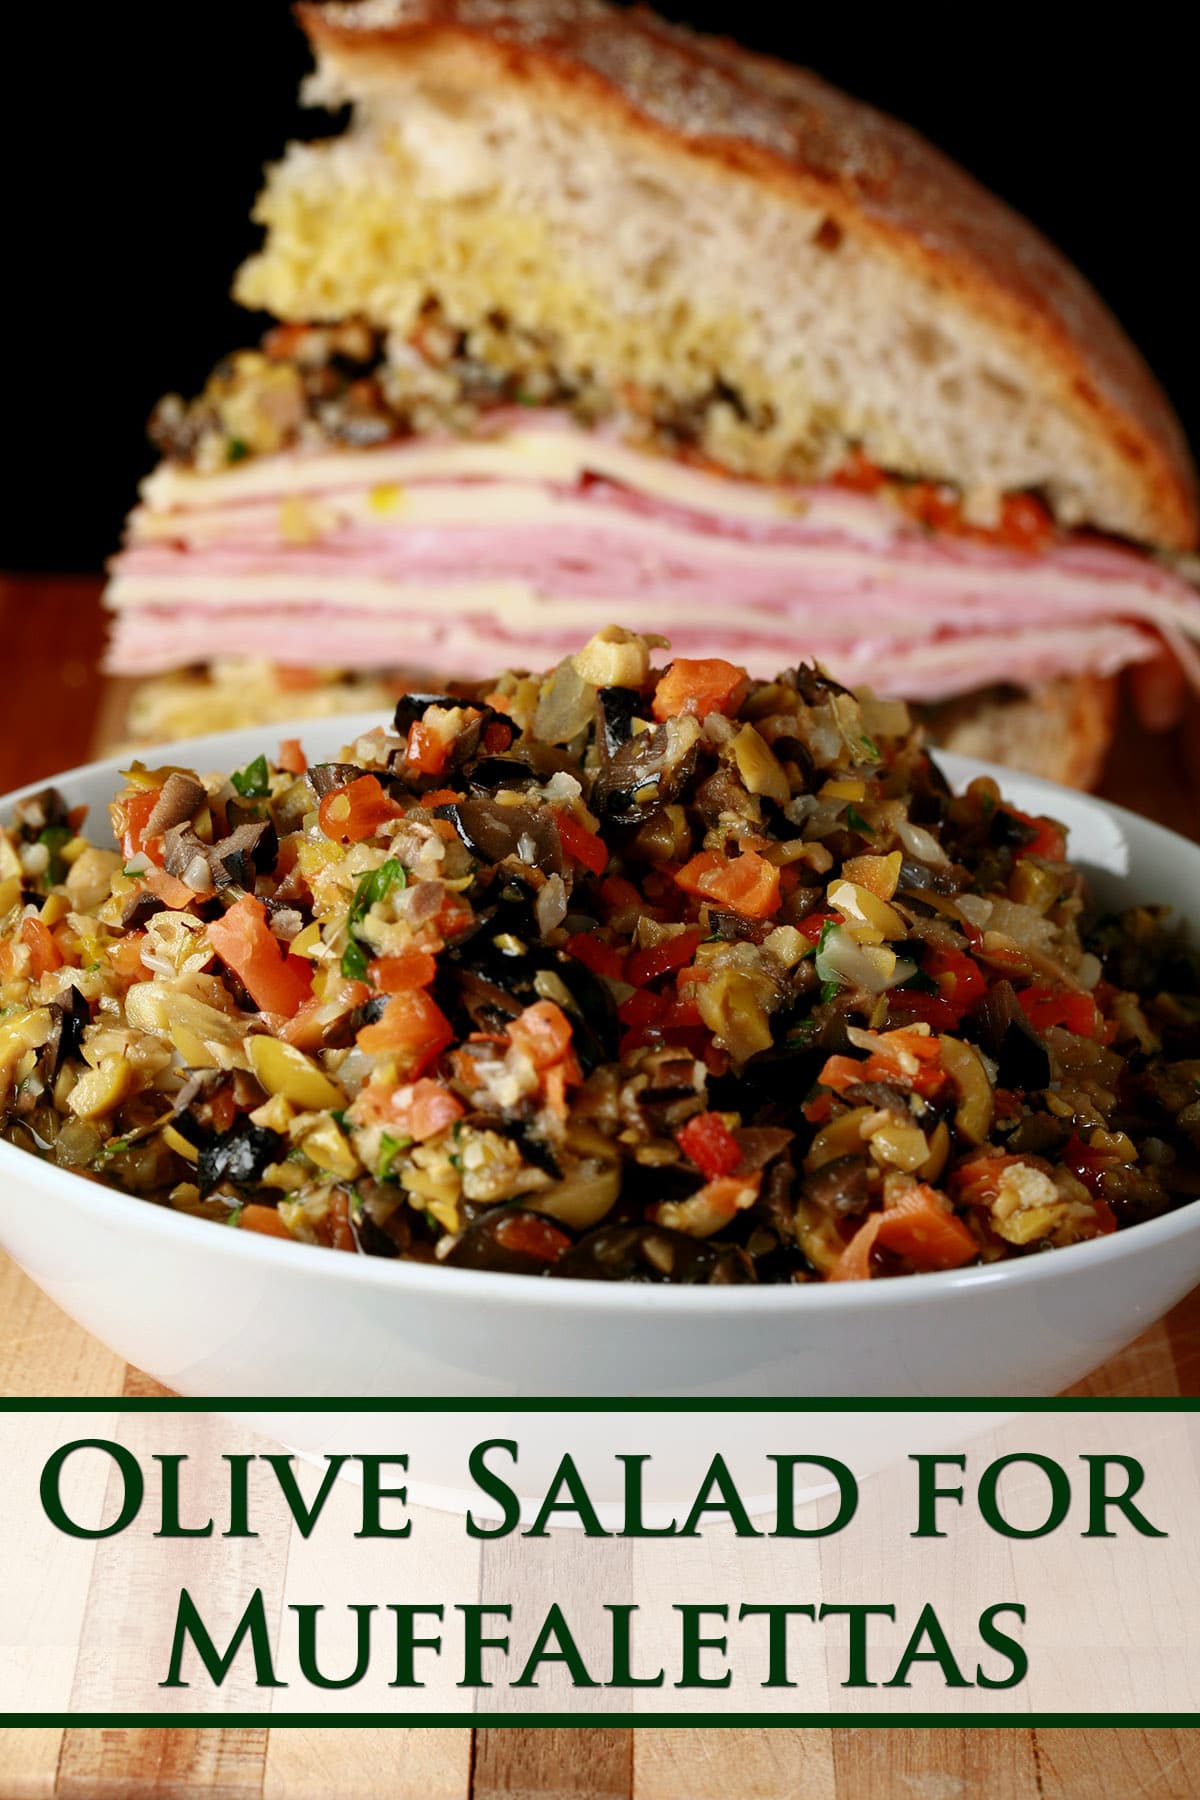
585	318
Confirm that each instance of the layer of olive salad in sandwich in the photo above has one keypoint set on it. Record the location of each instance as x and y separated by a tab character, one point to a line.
621	972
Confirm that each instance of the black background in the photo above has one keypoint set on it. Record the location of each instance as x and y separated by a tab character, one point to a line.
136	135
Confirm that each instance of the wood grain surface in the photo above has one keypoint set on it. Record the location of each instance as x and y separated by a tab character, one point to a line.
57	712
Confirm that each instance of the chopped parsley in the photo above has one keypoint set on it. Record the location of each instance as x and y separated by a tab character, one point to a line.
374	886
390	1148
54	837
855	819
236	449
870	746
235	1216
831	990
354	961
254	781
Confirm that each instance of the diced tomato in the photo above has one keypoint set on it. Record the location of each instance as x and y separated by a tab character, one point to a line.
125	955
130	815
601	958
1025	524
543	1033
857	471
526	1235
44	953
1047	1006
818	1110
276	982
747	884
933	504
960	979
710	1144
427	752
354	812
419	1110
643	1008
334	1230
582	845
645	966
919	1226
814	924
413	1027
292	757
396	974
1050	840
884	1064
264	1219
700	686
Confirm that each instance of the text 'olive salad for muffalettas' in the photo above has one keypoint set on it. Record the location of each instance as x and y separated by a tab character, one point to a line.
618	972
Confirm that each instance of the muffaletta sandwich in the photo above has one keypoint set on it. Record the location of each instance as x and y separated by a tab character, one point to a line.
585	318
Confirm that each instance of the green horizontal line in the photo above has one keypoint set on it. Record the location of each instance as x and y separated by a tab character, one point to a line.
732	1721
55	1403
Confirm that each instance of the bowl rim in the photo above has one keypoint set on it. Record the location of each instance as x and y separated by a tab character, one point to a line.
114	1207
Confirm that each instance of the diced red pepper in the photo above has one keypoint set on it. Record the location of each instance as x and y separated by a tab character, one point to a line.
582	845
1047	1006
697	685
276	982
645	966
354	812
709	1143
601	958
814	924
928	1009
543	1032
1049	841
960	979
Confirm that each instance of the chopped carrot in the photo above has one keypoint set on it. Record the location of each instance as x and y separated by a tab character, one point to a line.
919	1226
173	893
44	953
747	884
354	812
427	752
601	958
543	1033
699	686
264	1219
409	969
130	814
125	955
413	1027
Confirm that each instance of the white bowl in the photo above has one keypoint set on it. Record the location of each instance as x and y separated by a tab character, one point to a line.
218	1312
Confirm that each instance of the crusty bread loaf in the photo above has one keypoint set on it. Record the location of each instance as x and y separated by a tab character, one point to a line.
1061	730
642	206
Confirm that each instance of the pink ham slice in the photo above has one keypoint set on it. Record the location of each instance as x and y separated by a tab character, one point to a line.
513	548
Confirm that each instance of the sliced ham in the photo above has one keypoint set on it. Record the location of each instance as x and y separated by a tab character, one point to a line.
513	546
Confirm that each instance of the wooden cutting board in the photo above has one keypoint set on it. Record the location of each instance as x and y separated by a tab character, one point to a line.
58	712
